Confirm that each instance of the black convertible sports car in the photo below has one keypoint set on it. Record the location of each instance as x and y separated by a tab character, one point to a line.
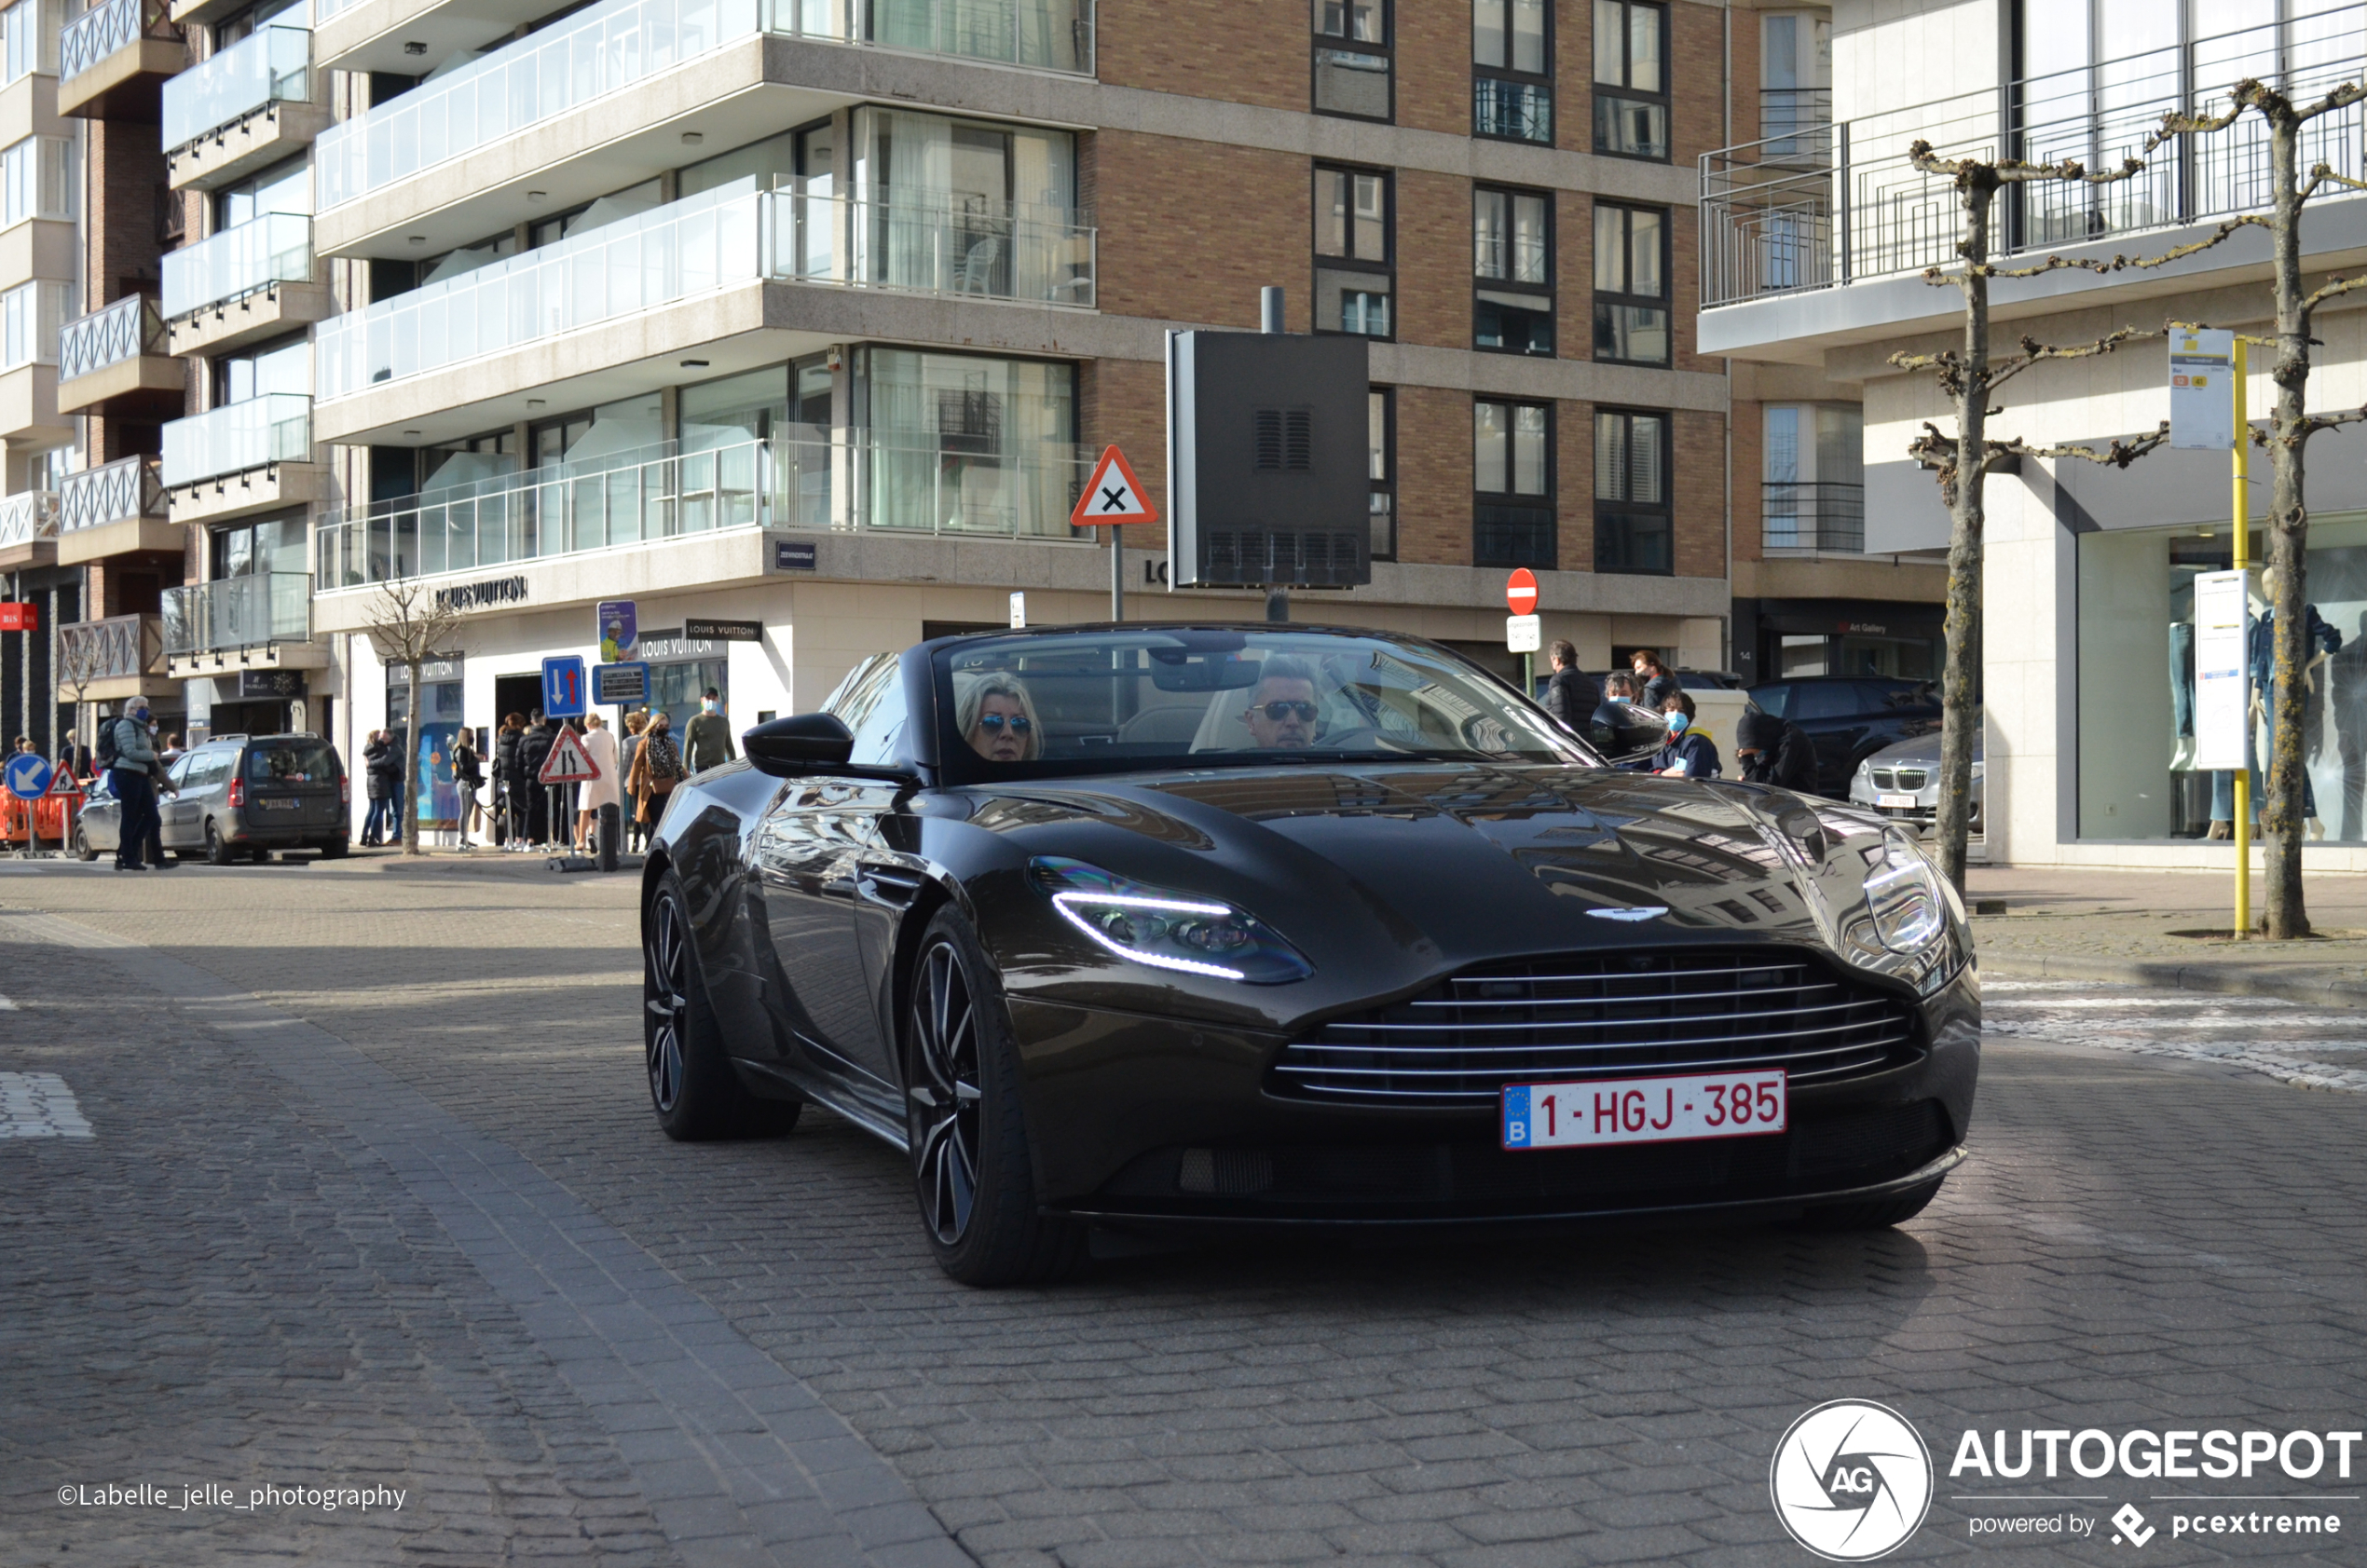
1118	927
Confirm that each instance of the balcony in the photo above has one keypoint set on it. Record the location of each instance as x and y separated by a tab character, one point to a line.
552	111
246	107
113	361
1820	206
108	661
815	479
117	510
239	621
31	317
113	61
1829	518
242	458
28	530
245	283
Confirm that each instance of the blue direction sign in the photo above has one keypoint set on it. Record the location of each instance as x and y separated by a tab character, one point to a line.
563	688
28	776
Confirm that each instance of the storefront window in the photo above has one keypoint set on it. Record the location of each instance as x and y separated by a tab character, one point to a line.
2137	673
431	743
965	444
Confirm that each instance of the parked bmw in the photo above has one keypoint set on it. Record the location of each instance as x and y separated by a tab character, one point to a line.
1124	929
1902	782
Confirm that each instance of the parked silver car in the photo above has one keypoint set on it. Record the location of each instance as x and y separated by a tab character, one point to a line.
236	796
1902	780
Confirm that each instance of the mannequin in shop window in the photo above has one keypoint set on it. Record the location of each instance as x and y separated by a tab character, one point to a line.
2322	641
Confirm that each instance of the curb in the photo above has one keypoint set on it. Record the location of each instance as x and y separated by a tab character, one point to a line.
2223	979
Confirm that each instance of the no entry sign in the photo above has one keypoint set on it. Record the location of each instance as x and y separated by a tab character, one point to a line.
1520	592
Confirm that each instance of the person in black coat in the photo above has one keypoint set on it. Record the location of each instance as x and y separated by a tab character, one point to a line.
382	764
1775	751
534	749
1654	678
508	798
1687	755
1570	696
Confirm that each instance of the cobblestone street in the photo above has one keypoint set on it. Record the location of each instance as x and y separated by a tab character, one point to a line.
371	1197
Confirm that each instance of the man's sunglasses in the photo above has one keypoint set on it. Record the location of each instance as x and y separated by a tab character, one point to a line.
1278	712
992	724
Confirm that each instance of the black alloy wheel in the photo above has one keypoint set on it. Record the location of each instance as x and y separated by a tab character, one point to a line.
666	1003
693	1088
944	1096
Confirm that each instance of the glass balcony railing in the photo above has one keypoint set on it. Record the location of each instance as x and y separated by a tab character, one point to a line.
272	65
125	330
238	612
276	427
28	515
123	491
275	247
808	477
116	649
918	243
609	46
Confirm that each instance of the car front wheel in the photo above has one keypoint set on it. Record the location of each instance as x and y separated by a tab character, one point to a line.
693	1086
967	1129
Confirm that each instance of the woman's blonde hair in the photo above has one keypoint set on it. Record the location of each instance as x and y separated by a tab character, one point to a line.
636	722
1001	685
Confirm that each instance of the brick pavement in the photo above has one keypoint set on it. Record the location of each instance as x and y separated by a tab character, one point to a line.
2136	1242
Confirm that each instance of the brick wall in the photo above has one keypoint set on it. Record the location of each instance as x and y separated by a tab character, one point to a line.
1433	259
1434	66
1696	60
1699	494
1434	476
1750	436
124	189
1574	480
1191	230
1242	51
1123	402
1573	276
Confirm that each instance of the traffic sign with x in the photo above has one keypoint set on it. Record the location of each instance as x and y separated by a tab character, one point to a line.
1113	495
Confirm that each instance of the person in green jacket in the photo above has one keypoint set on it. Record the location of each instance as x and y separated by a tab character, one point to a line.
706	740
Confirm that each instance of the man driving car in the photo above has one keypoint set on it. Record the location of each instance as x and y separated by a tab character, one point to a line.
1283	708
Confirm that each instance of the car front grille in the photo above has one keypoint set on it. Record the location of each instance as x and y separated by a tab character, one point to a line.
1883	778
1912	779
1596	1015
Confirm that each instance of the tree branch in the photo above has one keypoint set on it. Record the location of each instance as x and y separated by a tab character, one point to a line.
2034	352
2119	455
2339	286
2317	422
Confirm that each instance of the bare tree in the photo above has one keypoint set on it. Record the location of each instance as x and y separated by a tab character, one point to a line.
410	625
1963	461
2288	427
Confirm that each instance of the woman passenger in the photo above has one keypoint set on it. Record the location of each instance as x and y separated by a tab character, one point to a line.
998	719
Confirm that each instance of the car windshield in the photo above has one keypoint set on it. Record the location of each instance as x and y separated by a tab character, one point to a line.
1062	703
296	763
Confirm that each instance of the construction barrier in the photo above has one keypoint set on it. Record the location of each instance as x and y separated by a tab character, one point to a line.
21	819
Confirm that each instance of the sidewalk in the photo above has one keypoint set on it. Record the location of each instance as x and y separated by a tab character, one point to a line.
2166	928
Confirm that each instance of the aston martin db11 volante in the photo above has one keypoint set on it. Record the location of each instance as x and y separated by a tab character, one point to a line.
1122	929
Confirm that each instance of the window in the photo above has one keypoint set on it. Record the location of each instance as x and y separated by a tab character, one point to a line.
1380	428
1513	485
1631	284
1511	76
1795	77
1814	491
261	368
966	442
1512	271
283	187
37	174
1630	493
1630	78
29	317
1352	58
1352	284
29	39
271	544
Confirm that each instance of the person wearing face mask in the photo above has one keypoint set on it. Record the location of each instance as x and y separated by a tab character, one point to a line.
706	740
132	781
1687	755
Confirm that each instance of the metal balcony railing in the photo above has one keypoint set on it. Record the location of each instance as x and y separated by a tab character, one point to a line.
235	612
1823	516
1819	205
117	649
608	47
270	66
806	477
251	256
102	29
126	330
28	515
920	242
123	491
276	427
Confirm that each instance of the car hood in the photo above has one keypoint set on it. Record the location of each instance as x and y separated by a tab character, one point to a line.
1917	750
1454	863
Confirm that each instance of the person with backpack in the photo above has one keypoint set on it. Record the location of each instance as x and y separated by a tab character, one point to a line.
126	749
657	767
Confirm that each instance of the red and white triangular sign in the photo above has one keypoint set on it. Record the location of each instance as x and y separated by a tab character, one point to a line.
1113	495
568	763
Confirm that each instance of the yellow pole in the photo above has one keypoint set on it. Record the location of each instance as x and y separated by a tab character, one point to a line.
2243	543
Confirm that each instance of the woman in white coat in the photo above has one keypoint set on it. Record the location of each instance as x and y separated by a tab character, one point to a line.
599	744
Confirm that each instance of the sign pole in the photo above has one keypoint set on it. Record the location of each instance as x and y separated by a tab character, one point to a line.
2243	542
1117	573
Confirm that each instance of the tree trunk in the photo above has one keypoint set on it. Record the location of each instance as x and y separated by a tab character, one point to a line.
2281	822
409	799
1966	518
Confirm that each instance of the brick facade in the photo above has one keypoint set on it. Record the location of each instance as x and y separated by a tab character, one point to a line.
1242	51
1434	476
1699	494
1192	230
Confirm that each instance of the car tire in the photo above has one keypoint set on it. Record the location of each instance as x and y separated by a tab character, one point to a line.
217	852
82	850
693	1088
965	1123
1880	1214
333	848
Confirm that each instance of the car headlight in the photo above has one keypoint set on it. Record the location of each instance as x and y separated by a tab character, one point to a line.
1903	893
1168	930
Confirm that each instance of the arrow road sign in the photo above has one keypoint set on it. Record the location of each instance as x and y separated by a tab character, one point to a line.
563	686
568	763
1113	495
28	776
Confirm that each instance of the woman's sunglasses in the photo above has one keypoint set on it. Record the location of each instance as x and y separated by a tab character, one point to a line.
1278	712
992	724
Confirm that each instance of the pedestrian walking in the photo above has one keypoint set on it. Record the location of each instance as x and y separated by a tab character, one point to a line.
1775	751
132	778
1688	755
706	740
382	770
599	744
534	749
629	746
1570	696
1652	679
171	752
657	767
509	804
468	777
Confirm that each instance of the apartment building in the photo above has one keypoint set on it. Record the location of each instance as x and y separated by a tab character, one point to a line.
1814	252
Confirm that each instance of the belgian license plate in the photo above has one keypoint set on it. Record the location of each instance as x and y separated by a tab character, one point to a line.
1643	1110
278	805
1904	802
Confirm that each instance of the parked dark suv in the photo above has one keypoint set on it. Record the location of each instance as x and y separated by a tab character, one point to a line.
240	796
1851	717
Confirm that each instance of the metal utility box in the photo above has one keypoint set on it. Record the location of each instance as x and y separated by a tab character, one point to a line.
1268	460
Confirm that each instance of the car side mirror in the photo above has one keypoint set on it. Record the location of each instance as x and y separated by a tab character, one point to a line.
787	748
